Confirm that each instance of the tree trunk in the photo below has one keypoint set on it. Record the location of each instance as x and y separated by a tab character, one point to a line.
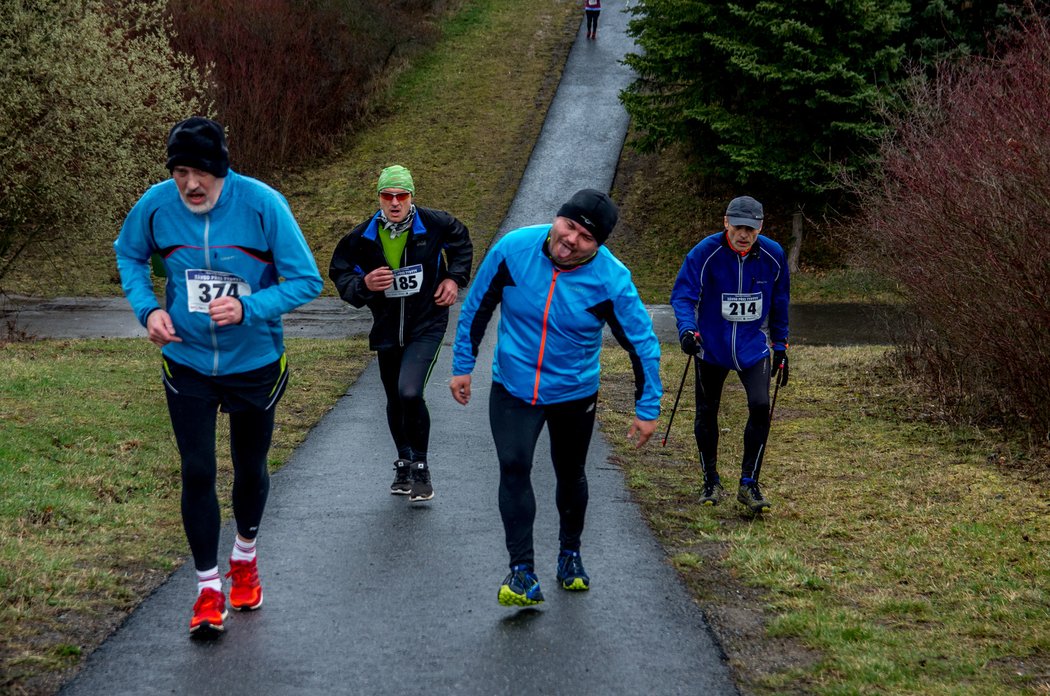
796	242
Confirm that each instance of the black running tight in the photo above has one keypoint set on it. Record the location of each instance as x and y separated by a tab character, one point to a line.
709	382
516	427
251	430
592	22
404	373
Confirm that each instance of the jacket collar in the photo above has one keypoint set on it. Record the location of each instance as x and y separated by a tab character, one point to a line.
752	252
371	232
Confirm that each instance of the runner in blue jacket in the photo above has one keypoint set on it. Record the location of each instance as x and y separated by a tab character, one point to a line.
730	302
225	241
557	287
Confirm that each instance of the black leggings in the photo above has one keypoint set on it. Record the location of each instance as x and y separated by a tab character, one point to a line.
516	427
592	21
709	382
193	420
405	373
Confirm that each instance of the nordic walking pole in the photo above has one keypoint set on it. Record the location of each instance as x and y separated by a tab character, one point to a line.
671	420
774	403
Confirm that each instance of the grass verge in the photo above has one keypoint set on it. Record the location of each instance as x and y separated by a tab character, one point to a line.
89	487
463	118
464	121
665	211
897	558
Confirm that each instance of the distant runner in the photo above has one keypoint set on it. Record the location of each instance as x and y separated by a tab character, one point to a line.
406	263
592	9
557	286
225	240
730	302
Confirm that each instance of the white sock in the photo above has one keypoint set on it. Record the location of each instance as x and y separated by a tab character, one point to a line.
243	550
209	579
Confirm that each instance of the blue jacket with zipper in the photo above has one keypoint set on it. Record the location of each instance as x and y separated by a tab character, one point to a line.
739	304
245	245
549	337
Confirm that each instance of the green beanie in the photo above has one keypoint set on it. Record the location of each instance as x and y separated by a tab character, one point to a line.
396	176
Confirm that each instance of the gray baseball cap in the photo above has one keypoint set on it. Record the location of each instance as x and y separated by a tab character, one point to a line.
744	211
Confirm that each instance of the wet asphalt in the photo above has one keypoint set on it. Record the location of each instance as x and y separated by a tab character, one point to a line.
366	593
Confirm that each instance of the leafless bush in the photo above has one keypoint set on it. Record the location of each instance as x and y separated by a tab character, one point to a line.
291	75
89	90
960	217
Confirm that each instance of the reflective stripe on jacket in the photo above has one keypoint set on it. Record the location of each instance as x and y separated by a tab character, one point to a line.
549	337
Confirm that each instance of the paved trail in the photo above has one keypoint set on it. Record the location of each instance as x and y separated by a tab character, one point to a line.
366	594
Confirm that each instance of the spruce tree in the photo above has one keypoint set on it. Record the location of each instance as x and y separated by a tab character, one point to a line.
778	95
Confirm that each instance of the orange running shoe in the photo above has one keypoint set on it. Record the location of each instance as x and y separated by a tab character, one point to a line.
245	591
208	613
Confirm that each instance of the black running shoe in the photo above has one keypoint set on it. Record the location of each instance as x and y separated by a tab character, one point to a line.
570	573
421	488
402	484
750	496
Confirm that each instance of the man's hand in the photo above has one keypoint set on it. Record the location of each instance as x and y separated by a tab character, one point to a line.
446	293
780	364
643	429
690	343
160	328
460	386
380	279
226	310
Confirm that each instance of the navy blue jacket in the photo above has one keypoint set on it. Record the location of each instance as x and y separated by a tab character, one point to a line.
739	304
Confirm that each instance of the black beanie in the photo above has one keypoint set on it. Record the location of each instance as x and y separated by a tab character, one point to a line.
199	143
592	209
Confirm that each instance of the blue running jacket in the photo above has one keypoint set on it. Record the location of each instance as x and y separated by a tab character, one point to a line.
739	304
245	245
550	323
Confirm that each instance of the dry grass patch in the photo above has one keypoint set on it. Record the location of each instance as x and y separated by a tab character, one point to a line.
897	558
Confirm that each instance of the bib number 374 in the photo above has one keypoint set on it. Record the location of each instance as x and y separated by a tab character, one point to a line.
741	306
204	286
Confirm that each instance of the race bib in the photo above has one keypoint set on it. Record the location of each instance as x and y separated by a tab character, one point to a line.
741	306
204	286
407	281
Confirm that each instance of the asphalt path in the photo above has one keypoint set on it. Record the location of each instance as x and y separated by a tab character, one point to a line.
368	594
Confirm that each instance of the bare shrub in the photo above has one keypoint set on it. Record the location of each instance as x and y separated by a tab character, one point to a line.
959	216
292	75
89	92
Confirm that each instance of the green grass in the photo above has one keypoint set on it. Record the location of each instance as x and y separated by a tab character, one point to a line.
89	485
463	120
665	211
898	559
894	551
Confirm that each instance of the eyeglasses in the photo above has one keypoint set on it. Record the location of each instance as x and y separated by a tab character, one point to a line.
390	196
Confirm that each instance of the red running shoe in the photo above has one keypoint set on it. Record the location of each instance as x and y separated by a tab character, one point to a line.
208	613
245	591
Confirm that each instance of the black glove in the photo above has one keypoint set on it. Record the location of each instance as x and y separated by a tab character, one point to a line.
780	362
690	343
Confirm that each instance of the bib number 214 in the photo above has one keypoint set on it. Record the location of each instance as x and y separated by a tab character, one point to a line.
741	306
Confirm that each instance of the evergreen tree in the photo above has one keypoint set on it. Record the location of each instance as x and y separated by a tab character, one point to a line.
947	30
777	95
